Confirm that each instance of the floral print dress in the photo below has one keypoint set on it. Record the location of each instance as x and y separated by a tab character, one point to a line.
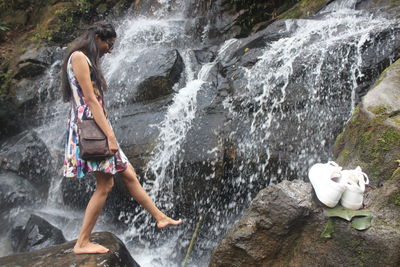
74	166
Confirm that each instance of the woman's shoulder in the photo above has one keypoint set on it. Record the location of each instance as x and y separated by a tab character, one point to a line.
79	55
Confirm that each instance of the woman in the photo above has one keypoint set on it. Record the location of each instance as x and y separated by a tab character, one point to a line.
83	85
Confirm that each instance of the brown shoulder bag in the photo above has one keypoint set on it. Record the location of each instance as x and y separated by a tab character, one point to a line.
93	143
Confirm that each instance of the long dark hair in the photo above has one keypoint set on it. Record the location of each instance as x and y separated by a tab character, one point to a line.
87	44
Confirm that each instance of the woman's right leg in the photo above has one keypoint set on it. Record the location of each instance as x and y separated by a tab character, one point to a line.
104	183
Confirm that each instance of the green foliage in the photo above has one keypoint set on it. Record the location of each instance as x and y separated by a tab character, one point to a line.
395	198
346	214
378	110
360	219
361	223
303	9
3	27
329	229
370	143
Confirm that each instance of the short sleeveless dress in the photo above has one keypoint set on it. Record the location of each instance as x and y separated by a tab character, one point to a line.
74	166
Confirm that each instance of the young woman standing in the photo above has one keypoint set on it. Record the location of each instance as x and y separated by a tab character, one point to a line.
83	85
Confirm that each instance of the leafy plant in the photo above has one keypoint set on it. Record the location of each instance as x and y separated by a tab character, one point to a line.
3	28
360	219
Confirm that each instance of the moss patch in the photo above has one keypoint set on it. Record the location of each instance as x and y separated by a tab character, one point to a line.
396	198
250	13
378	110
303	9
371	144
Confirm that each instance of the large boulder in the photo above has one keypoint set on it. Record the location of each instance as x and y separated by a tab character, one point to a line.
149	76
283	227
33	62
36	234
62	255
15	191
236	19
371	138
27	155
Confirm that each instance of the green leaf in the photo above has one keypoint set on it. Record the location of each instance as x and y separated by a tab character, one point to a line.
329	229
361	223
346	214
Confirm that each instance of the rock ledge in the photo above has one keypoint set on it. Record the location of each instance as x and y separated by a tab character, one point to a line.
62	255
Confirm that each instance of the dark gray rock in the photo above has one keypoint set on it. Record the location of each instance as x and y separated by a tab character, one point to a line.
371	138
385	8
204	55
34	61
27	155
282	227
29	69
9	125
35	235
152	75
26	93
16	191
139	140
62	255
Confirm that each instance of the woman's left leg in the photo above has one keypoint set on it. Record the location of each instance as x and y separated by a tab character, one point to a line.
104	184
137	191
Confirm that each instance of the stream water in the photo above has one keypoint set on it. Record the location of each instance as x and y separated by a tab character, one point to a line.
292	104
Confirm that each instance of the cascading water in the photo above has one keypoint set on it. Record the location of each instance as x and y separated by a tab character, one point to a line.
283	113
304	85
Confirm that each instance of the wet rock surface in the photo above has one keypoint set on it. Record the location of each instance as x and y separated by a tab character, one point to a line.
35	235
149	76
371	138
62	255
283	224
208	172
15	191
27	155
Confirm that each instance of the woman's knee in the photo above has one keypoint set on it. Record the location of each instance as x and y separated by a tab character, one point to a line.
105	183
129	175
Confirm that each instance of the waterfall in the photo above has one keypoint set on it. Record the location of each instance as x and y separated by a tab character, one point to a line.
324	50
282	114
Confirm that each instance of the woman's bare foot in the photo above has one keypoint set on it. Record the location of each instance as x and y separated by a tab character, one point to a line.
167	221
90	248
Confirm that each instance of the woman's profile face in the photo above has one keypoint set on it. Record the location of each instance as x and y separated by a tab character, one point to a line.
105	46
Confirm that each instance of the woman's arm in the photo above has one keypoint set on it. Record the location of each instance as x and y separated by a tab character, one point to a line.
80	66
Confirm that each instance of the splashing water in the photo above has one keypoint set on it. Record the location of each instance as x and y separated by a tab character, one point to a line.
295	100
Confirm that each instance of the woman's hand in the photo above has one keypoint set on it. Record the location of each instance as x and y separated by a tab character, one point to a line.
112	144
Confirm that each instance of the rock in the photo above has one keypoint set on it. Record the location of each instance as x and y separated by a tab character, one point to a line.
29	69
26	93
15	191
152	75
139	141
34	61
371	138
237	19
9	127
390	8
282	227
27	155
37	234
275	214
62	255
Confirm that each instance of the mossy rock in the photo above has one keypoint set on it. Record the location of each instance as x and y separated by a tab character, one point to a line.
59	22
371	138
252	15
371	144
304	8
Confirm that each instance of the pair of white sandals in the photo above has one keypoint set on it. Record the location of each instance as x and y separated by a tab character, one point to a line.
332	184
